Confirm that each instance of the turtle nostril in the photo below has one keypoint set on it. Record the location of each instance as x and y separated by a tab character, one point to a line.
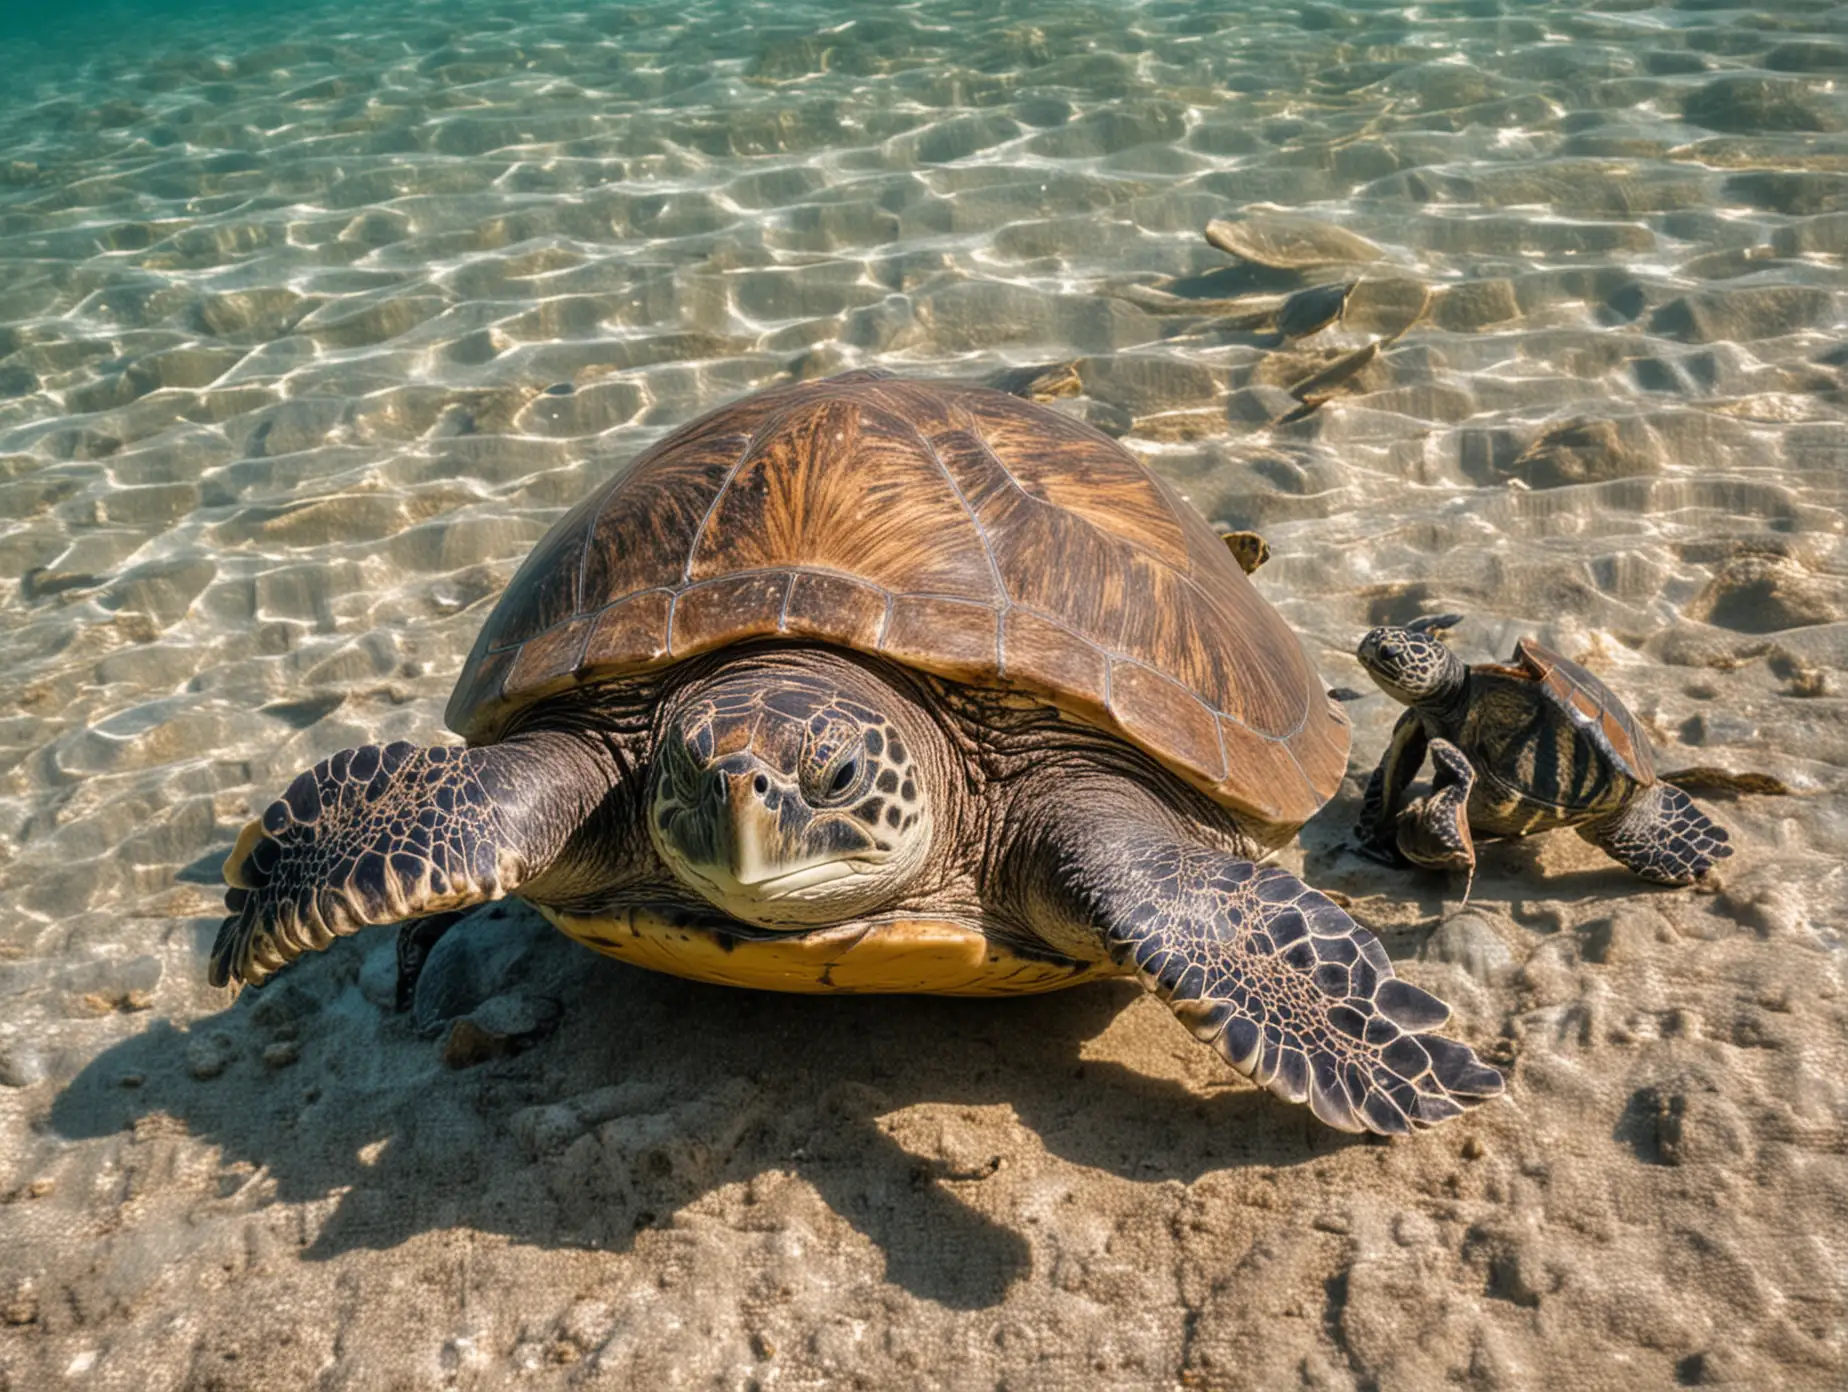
760	785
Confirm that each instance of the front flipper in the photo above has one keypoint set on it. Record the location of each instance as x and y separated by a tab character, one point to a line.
1434	829
1294	993
1379	809
1662	836
383	834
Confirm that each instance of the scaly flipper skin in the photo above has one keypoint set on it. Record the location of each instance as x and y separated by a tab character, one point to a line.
1434	830
1662	836
382	834
1379	810
1289	989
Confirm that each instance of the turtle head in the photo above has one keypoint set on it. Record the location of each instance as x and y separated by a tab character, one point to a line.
794	794
1411	664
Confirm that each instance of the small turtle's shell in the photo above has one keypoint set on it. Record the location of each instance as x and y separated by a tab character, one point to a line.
1549	730
1589	703
953	529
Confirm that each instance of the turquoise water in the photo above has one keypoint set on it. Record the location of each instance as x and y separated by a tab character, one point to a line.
314	318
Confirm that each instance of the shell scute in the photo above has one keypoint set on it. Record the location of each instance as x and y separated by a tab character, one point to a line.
1050	658
728	609
1065	570
846	487
1592	706
632	631
1068	466
649	518
1167	716
952	637
551	657
834	609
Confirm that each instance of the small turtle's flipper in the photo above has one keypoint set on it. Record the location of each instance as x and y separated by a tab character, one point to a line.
1288	988
1436	625
1434	830
1662	836
1379	809
382	834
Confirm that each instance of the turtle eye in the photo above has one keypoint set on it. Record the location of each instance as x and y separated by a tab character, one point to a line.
836	779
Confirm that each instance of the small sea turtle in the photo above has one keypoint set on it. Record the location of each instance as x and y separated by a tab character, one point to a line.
1534	745
1249	549
874	685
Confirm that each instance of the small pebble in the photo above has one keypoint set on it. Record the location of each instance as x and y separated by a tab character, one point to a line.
1470	941
469	1044
21	1065
1414	1230
281	1054
21	1304
498	1028
208	1055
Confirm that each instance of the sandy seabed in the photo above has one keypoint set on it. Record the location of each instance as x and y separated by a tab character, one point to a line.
311	323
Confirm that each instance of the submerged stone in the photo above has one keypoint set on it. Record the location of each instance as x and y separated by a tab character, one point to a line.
1745	105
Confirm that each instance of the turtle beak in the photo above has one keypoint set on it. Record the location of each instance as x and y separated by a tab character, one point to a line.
1376	649
755	840
758	823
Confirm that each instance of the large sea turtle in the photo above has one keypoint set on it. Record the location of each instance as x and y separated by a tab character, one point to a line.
876	685
1524	747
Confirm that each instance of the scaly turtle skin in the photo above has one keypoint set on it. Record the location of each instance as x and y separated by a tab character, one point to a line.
872	685
1536	744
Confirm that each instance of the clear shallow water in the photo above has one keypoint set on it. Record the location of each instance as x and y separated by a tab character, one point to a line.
312	320
281	293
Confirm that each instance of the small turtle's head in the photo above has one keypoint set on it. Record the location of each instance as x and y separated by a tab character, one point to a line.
794	790
1411	664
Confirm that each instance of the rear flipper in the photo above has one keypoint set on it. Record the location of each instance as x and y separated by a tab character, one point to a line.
1434	829
1289	989
1662	836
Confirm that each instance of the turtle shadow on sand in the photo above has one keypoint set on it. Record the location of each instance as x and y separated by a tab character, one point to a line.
1513	877
653	1092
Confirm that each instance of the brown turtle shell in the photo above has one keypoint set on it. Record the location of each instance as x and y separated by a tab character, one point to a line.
953	529
1591	706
